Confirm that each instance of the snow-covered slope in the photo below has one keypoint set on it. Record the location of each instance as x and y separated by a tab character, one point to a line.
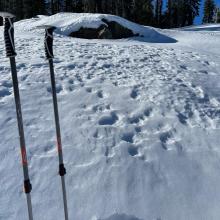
203	27
140	126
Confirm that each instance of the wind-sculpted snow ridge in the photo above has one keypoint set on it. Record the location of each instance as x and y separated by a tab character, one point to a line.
140	126
67	23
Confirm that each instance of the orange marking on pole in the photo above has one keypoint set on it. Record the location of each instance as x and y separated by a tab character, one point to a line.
24	156
59	148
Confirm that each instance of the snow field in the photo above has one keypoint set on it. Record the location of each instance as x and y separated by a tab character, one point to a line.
140	129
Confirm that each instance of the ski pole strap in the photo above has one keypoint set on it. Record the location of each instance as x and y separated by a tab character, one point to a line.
9	37
48	43
27	186
62	170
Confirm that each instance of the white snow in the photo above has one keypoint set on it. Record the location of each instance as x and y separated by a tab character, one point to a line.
139	120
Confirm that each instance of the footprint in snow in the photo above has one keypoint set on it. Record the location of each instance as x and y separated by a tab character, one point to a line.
7	84
101	108
70	88
184	67
138	129
89	76
23	78
128	137
132	150
135	119
182	118
205	63
109	119
164	137
100	94
71	66
179	80
71	81
59	88
115	84
134	93
48	148
89	89
79	78
148	111
204	72
4	92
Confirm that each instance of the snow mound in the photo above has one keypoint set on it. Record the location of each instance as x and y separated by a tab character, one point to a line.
67	23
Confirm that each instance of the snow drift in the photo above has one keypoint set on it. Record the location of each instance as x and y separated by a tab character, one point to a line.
68	23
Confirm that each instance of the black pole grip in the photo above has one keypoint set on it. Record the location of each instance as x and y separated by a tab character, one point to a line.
27	186
9	37
62	170
48	43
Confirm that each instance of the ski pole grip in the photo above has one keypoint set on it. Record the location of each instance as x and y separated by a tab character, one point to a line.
9	37
49	42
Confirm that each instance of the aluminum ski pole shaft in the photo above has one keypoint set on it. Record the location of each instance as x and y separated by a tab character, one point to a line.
10	52
49	55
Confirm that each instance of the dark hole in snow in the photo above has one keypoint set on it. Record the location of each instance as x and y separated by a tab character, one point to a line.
147	112
108	119
128	137
134	94
109	30
138	129
182	118
133	151
4	92
164	137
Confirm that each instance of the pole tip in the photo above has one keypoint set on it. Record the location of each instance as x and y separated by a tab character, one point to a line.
6	14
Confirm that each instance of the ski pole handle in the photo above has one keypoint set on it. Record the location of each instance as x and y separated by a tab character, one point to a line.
48	43
9	37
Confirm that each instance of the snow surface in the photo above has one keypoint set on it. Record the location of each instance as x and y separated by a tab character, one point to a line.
140	127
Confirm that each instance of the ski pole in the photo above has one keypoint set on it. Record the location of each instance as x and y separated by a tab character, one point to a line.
48	43
10	53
